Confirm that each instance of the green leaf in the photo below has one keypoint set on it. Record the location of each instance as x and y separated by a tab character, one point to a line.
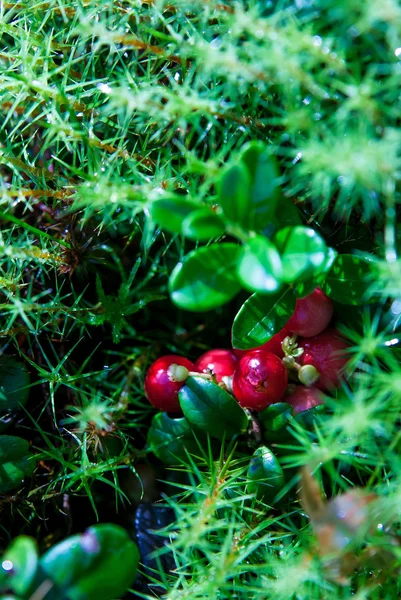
234	194
265	475
349	280
169	439
100	564
276	418
303	253
14	382
260	317
203	224
286	214
259	266
206	278
265	192
306	287
212	409
15	462
23	556
170	211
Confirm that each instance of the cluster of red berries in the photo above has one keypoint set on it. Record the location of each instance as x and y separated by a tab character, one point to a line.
283	369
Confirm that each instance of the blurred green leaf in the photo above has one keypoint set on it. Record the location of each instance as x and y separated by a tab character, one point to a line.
170	211
259	266
169	439
100	564
265	475
304	288
264	191
234	194
203	224
349	280
14	382
22	554
260	317
207	406
16	463
303	253
206	278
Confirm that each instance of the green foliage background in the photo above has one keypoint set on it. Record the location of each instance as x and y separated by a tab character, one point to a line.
104	107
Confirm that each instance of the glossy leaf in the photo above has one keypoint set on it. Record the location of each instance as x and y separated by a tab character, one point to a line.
276	418
16	463
303	253
265	475
212	409
260	317
349	279
203	224
22	556
264	191
169	439
234	194
170	211
100	564
304	288
206	278
259	266
14	382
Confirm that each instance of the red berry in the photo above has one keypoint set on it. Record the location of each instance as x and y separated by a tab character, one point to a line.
222	362
260	379
273	345
312	314
163	381
303	398
326	352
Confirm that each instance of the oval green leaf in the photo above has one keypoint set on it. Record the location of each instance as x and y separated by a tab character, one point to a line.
265	475
203	224
259	266
303	253
276	418
212	409
206	278
260	317
234	194
265	191
100	564
170	211
16	463
23	555
349	280
14	384
304	288
170	439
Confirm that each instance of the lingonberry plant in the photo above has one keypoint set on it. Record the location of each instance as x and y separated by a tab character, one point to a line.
177	177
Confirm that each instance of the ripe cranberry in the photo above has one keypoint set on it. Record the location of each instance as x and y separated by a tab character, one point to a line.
312	314
302	398
260	379
165	377
222	362
273	345
326	352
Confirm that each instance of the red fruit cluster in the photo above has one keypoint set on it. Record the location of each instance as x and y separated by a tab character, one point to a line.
259	377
